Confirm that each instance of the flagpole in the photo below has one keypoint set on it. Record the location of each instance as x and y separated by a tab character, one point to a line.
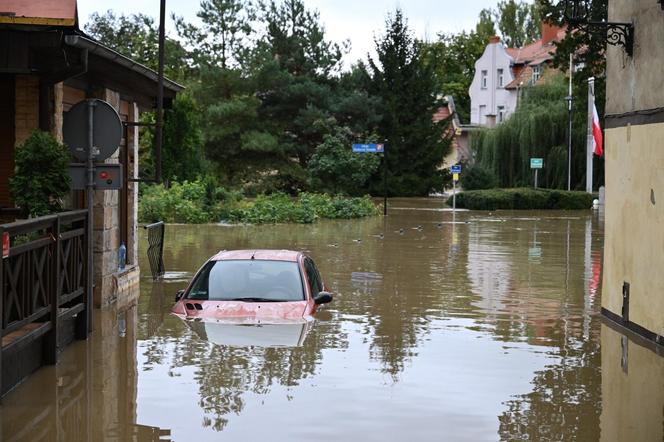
589	137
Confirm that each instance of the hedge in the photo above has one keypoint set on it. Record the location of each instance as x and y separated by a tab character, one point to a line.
523	199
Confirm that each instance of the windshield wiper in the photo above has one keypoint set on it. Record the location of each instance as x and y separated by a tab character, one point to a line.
256	300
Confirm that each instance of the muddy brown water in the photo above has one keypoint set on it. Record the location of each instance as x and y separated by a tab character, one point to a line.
477	326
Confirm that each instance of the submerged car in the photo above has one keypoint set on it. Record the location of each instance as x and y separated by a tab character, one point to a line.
257	284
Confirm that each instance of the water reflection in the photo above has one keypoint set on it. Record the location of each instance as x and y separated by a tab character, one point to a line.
473	325
242	333
632	388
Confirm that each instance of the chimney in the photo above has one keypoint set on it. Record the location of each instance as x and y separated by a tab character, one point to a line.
549	33
494	39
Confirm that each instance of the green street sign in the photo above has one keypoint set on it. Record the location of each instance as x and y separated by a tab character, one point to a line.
536	163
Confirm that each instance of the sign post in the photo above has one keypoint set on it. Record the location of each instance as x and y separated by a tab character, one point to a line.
456	170
537	164
376	148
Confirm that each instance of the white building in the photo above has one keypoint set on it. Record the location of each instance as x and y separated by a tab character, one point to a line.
500	73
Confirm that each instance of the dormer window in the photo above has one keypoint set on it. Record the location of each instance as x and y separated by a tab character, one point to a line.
484	79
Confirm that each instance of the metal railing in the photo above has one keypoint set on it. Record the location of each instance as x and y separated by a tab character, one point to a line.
156	248
43	281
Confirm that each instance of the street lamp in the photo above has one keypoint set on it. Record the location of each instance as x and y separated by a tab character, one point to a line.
578	14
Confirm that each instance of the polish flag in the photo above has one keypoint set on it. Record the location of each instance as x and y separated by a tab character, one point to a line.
597	134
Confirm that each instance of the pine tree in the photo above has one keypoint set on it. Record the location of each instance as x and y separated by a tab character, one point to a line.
406	85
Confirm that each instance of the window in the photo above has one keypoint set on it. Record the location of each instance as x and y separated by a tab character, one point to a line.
484	79
482	114
501	77
537	73
313	277
501	114
251	279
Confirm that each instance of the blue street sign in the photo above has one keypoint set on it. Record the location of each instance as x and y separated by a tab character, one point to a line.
369	148
456	168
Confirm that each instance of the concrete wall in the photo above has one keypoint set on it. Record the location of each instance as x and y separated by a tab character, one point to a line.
634	234
634	245
495	57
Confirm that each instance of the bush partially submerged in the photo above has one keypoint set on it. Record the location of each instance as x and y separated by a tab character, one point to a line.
523	199
202	201
280	208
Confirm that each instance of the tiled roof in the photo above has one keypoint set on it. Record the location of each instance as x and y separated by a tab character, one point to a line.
38	12
535	52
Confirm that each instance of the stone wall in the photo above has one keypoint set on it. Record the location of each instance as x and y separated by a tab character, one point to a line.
27	107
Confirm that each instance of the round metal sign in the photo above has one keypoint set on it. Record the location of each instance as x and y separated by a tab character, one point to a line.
107	130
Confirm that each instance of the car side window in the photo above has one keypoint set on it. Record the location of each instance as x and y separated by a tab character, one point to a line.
313	277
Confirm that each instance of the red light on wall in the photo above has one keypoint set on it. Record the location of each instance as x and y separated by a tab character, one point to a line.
103	175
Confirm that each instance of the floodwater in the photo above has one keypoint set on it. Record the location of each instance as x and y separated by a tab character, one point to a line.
478	326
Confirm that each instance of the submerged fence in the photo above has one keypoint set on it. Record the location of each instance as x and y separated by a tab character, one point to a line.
43	280
156	248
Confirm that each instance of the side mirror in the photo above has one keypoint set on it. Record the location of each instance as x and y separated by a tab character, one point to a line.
323	298
179	295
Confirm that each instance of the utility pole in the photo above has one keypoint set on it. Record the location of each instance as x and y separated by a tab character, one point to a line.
160	92
589	136
570	99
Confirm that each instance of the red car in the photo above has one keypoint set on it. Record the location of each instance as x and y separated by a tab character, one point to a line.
254	284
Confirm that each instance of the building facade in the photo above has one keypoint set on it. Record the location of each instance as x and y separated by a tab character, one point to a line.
501	72
633	284
47	65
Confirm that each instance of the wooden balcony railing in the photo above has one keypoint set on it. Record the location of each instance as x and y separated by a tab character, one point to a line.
43	281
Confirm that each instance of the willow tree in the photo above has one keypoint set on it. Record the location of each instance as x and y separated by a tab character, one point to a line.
538	129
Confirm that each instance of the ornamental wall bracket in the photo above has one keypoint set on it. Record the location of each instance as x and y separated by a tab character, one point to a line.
615	34
577	14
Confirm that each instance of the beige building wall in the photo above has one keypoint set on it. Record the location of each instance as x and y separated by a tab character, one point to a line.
27	107
632	391
634	243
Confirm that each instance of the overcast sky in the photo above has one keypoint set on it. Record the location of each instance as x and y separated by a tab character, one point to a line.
354	20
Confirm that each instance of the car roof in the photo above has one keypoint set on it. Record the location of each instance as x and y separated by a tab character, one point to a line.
260	254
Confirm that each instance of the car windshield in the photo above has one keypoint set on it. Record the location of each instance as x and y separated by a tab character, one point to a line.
248	280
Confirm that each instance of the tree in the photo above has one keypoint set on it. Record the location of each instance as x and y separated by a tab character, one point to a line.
590	61
335	169
519	23
406	85
182	156
221	39
137	37
41	176
453	58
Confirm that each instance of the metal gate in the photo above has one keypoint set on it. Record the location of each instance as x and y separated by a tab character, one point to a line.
156	248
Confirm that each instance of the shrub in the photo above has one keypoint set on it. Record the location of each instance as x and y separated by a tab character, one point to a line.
41	177
477	177
523	199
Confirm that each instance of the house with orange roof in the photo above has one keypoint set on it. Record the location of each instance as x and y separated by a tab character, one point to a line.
501	72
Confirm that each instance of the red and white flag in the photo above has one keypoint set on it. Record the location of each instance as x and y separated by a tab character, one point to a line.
598	139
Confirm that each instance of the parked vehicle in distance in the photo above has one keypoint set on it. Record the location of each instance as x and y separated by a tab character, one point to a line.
260	284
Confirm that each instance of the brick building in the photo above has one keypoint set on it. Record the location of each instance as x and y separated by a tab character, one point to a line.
47	64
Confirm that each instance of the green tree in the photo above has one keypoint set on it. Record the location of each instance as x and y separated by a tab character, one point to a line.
137	37
453	57
518	22
41	176
182	156
590	61
335	169
406	85
222	37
